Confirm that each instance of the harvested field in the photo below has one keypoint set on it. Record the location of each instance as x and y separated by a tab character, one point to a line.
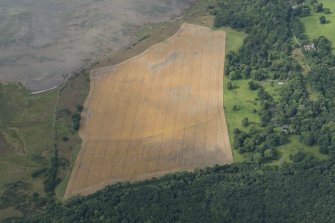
159	112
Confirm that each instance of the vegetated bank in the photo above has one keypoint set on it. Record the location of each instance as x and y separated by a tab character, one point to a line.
25	144
247	192
36	136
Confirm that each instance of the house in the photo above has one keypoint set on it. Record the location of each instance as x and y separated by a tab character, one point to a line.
309	47
285	128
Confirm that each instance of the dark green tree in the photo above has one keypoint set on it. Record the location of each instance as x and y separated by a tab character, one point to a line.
229	85
245	122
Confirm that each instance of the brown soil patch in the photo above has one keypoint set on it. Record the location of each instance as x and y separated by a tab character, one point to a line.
156	113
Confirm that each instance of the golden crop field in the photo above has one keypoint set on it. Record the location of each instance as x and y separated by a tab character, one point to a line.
159	112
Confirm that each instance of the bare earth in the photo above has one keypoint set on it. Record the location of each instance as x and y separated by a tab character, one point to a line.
41	41
156	113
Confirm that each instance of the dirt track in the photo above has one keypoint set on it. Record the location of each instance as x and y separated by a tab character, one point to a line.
159	112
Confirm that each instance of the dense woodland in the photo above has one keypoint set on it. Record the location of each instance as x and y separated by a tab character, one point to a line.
235	193
253	191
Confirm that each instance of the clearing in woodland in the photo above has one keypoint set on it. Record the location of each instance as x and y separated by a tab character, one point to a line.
159	112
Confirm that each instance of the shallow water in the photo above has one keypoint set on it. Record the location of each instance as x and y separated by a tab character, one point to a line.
43	40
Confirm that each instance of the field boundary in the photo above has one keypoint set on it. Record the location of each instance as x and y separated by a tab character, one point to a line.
223	137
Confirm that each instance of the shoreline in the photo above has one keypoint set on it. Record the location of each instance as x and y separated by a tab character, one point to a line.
100	57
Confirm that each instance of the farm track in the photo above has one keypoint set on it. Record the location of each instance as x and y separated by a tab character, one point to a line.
159	112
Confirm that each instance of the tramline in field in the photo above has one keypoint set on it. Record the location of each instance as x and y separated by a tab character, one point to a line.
159	112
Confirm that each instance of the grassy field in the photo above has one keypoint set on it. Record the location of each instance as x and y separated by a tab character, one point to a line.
294	146
234	39
313	27
239	96
244	99
26	127
73	93
9	212
26	135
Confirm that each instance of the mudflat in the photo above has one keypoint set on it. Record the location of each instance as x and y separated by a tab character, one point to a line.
159	112
42	41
